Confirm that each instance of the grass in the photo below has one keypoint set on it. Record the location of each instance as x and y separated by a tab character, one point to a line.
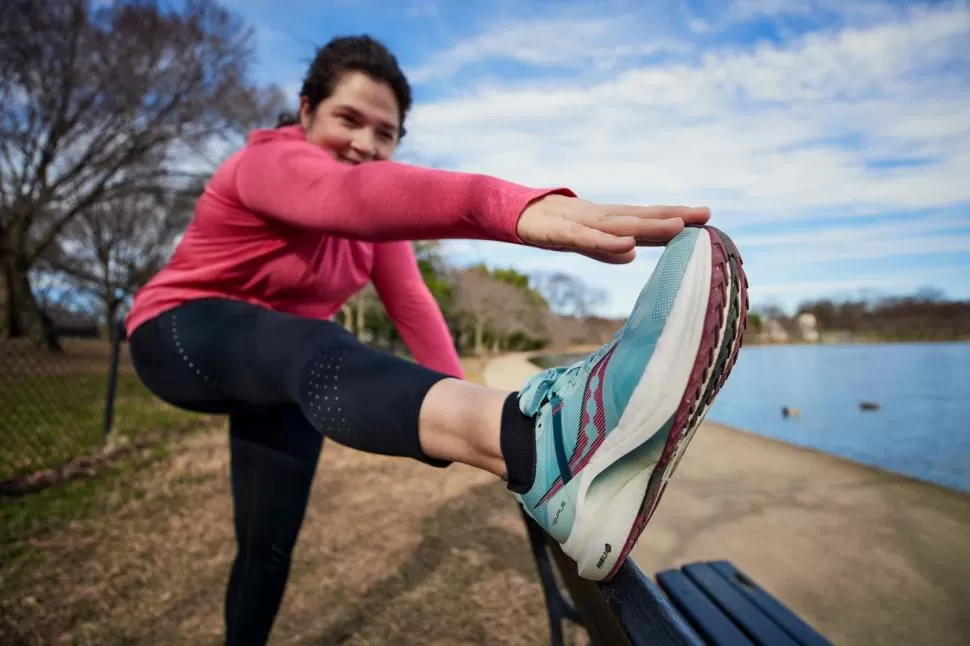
50	419
52	425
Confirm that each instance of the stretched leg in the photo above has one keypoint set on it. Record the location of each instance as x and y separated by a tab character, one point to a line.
588	448
274	455
235	353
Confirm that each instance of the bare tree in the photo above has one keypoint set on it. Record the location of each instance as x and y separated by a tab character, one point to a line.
494	310
112	248
478	301
353	315
568	294
523	318
99	100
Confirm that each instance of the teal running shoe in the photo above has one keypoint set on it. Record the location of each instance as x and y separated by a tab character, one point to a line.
611	429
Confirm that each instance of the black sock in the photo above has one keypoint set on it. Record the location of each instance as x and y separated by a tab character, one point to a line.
517	439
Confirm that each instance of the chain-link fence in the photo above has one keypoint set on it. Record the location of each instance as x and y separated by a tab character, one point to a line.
69	416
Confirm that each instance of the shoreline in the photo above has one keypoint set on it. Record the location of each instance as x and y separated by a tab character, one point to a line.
862	341
911	479
864	554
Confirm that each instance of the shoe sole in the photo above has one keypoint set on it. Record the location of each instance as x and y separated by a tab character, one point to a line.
622	514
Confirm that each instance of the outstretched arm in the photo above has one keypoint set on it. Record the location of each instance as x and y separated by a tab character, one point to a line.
290	180
412	307
293	181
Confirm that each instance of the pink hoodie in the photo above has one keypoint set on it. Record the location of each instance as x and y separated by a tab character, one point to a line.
283	225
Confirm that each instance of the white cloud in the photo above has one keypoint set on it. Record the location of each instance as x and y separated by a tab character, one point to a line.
594	43
864	248
897	231
745	130
862	116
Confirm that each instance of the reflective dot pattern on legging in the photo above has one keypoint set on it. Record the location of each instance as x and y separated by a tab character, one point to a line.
185	357
323	391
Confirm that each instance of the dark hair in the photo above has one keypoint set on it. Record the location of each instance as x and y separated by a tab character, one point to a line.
348	54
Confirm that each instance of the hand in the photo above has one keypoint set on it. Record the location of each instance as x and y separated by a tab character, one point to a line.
609	233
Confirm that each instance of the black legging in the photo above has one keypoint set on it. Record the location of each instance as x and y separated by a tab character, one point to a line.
285	382
273	457
228	357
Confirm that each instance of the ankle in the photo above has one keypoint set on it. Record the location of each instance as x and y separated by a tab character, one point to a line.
460	422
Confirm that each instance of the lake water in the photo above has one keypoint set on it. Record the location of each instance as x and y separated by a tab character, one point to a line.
922	426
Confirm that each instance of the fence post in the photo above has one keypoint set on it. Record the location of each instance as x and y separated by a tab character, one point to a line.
116	332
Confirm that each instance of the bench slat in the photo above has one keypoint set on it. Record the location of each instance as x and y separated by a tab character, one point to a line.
788	620
645	613
741	610
700	611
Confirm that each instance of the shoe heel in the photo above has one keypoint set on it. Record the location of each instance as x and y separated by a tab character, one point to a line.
614	529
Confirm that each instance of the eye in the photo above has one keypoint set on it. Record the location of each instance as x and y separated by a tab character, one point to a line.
347	120
385	136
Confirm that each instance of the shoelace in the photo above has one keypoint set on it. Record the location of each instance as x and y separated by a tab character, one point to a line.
543	390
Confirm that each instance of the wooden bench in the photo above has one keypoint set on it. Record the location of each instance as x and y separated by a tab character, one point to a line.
706	603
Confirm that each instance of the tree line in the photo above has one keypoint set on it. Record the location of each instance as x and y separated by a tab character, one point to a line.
492	310
925	315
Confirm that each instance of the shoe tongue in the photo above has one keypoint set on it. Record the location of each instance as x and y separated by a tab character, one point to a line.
535	390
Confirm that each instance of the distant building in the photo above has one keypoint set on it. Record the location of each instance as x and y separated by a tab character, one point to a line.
807	327
775	332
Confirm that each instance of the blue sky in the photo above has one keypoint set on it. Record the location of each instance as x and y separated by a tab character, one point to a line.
831	139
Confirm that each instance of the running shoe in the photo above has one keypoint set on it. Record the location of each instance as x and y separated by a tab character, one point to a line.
611	429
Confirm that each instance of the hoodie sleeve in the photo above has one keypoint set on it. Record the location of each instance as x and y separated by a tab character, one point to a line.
290	180
413	308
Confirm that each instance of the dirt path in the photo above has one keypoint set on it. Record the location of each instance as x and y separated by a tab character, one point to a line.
393	552
866	556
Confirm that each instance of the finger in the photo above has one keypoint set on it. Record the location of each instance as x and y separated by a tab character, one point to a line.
689	214
696	216
643	231
580	237
662	232
611	258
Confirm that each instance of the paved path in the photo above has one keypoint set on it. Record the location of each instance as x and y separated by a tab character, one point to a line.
866	556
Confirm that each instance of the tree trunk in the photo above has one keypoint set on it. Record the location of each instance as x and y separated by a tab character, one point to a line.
12	328
361	312
479	337
24	317
345	318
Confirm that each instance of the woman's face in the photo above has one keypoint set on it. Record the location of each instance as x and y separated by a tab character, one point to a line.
357	123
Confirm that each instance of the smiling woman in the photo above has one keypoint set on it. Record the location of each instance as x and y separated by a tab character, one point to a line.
348	112
357	123
303	217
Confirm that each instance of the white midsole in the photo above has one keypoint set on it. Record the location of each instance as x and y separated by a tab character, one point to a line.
706	406
654	400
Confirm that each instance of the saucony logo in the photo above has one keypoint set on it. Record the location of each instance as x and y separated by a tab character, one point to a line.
606	552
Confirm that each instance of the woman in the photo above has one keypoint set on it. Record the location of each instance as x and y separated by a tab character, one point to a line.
296	222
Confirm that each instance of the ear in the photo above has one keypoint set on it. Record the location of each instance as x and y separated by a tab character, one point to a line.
306	115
